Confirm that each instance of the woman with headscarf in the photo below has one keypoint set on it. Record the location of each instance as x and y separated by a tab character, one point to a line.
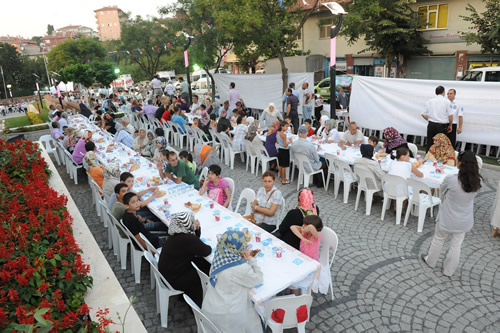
160	143
234	271
442	150
204	122
94	169
330	134
111	175
141	142
369	163
252	129
393	140
322	123
269	115
306	206
182	247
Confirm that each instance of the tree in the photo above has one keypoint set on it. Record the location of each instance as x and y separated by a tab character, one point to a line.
387	26
70	52
50	29
272	26
210	43
37	39
146	43
104	72
485	28
79	73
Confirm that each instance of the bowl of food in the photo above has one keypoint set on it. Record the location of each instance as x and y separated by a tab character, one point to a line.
193	206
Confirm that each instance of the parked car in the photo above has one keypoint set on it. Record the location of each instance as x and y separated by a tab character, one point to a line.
483	74
323	86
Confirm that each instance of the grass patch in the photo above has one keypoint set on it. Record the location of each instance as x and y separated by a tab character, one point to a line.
24	120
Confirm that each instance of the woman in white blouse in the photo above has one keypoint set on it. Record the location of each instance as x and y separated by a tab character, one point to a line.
330	134
234	271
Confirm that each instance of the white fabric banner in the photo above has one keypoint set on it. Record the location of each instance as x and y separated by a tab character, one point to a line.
258	90
377	103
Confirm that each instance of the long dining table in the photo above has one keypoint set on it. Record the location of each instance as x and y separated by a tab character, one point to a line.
281	264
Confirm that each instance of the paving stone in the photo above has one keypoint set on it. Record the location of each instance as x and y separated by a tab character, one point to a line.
378	276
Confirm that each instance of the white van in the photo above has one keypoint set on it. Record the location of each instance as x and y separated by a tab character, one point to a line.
483	74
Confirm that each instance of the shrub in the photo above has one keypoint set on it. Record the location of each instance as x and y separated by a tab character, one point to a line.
34	118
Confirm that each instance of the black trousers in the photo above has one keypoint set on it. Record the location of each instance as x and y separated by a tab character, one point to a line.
433	129
295	121
453	135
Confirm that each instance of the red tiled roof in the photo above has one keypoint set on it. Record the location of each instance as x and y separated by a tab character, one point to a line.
107	8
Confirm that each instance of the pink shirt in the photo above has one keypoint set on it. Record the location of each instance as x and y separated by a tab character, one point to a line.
311	251
223	184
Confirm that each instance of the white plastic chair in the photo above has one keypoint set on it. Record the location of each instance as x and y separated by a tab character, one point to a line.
123	241
163	290
413	148
203	324
231	190
50	146
421	198
191	137
249	195
329	244
252	157
367	183
203	173
281	214
72	167
155	252
303	161
107	222
395	188
229	153
330	160
290	304
136	255
262	157
343	173
203	278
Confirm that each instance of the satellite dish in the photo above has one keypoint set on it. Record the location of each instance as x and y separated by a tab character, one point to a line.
335	8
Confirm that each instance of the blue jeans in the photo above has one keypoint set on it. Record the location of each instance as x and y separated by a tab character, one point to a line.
307	112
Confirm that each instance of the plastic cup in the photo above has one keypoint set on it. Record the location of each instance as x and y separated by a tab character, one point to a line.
150	165
165	202
279	252
438	170
212	204
217	216
435	164
257	237
338	152
379	161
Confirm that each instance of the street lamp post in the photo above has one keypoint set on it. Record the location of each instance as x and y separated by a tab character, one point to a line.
337	10
4	86
43	46
186	62
38	90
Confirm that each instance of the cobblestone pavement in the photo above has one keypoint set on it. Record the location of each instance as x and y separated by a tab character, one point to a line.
380	282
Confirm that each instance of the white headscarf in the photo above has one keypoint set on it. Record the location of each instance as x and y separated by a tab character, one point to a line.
322	121
269	111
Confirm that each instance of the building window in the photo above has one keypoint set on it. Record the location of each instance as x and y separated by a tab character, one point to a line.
433	17
324	28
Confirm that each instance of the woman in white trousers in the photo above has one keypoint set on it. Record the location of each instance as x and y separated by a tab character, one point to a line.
456	215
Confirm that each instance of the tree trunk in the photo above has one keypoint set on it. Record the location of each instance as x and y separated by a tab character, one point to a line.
491	59
212	84
284	78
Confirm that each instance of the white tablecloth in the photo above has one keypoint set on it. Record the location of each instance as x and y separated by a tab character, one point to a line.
279	273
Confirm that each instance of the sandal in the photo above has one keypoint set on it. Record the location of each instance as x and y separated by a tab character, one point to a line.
285	182
495	232
424	258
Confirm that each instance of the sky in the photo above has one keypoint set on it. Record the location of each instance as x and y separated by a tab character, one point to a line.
30	18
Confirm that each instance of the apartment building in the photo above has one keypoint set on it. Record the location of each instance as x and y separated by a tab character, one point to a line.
450	58
108	22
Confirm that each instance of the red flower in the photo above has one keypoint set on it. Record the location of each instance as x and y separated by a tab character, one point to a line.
13	296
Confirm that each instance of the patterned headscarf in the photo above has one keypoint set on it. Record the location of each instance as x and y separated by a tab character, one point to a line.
442	150
275	127
112	170
392	139
205	118
228	253
162	141
181	223
331	123
91	159
306	202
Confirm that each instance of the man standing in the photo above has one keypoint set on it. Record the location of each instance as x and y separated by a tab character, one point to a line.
292	103
156	85
458	117
342	98
184	89
170	89
233	96
439	115
307	101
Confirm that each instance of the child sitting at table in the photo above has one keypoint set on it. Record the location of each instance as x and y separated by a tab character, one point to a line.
310	130
309	234
377	146
188	159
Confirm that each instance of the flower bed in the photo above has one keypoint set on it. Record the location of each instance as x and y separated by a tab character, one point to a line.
42	276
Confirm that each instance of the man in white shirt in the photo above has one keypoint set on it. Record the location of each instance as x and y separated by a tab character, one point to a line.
126	125
353	137
439	115
306	101
156	85
458	117
196	104
233	96
170	89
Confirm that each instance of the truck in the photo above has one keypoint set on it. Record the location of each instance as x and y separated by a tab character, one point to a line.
166	76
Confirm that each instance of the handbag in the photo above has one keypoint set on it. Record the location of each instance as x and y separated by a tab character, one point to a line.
251	217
